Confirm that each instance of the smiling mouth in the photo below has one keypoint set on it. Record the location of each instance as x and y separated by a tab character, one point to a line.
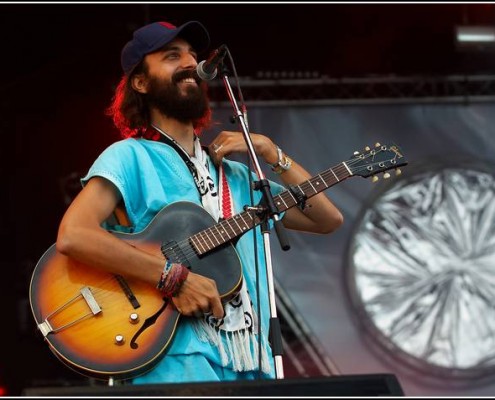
188	81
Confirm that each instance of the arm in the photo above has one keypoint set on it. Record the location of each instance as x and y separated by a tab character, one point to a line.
320	214
81	237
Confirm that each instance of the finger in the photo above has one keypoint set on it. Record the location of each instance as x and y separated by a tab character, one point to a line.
217	148
217	308
216	158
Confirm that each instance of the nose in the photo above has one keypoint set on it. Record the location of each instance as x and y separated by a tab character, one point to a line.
188	61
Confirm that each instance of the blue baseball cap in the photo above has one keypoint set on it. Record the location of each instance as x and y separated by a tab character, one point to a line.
151	37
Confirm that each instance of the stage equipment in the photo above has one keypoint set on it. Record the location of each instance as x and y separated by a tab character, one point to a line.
349	385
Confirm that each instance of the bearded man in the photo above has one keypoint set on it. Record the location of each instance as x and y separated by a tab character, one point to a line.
161	107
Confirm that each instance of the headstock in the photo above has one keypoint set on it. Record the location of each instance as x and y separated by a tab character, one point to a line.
378	159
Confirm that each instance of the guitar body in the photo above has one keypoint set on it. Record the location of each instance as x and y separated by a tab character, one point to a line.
91	329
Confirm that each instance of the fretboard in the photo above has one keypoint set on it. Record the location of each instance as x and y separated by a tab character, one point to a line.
229	229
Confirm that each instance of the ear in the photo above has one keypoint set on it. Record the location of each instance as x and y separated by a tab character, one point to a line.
139	83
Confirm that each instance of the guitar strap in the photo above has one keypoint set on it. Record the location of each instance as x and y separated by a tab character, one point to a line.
225	207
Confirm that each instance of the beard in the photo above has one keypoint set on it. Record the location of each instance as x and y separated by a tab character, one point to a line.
168	98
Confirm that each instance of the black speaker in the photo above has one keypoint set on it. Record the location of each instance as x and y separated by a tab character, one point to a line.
341	385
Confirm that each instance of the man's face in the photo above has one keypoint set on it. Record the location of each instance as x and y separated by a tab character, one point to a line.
173	86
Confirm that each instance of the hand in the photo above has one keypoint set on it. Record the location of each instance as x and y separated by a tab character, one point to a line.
228	142
198	296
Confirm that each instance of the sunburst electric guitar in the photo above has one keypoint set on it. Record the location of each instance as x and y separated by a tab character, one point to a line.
107	326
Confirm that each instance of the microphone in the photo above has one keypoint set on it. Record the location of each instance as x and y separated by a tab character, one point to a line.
207	69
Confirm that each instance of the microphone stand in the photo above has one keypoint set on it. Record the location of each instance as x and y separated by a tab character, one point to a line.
269	211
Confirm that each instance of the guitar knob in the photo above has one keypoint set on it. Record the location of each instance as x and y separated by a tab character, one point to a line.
377	144
398	171
119	340
356	153
367	148
386	175
374	179
134	318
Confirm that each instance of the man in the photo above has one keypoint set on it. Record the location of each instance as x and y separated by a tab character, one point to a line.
161	106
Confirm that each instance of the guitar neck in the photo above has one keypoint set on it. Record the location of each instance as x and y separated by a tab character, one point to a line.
229	229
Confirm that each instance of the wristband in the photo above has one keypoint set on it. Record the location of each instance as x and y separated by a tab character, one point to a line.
163	277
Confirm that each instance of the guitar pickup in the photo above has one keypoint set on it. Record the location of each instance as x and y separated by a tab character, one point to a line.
172	251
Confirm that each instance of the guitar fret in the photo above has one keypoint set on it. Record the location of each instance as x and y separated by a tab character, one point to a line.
209	238
221	234
278	202
331	178
214	235
316	191
291	195
203	233
323	180
290	200
344	174
293	200
243	220
254	221
316	182
240	229
304	187
338	180
287	198
250	216
202	250
348	170
343	171
227	223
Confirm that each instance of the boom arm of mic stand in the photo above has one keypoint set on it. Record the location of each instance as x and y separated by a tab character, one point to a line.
264	186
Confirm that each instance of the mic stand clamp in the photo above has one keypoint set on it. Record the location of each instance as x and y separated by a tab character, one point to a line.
269	211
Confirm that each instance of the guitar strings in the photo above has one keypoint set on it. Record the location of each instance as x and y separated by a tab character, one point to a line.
340	171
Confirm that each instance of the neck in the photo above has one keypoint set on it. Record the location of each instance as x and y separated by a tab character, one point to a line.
183	133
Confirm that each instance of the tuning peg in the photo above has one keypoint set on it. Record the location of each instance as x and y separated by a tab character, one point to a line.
398	171
386	175
356	153
377	144
374	179
367	148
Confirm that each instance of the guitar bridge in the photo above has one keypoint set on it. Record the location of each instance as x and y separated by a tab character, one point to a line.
45	327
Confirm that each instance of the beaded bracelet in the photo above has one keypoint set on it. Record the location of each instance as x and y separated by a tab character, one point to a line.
175	279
